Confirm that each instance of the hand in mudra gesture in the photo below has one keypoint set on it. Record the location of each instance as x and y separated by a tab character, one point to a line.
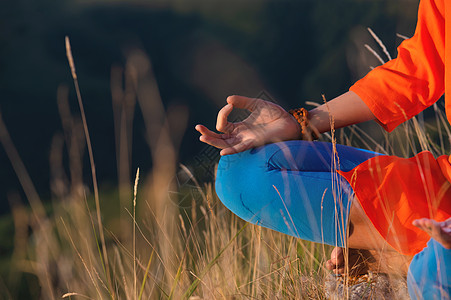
267	123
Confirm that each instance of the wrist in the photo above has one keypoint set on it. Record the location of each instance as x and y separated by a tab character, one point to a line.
307	132
297	129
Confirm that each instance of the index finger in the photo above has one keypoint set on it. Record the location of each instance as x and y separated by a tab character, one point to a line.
236	148
205	131
222	124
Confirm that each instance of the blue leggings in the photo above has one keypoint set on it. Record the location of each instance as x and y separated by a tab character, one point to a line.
429	275
291	187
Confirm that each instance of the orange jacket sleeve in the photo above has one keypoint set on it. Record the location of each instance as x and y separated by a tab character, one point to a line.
405	86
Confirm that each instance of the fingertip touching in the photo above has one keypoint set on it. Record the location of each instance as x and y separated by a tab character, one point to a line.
230	99
226	151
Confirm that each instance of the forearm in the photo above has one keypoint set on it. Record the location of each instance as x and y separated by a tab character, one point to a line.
344	110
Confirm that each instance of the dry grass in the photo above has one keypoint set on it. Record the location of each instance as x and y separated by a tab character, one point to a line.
152	248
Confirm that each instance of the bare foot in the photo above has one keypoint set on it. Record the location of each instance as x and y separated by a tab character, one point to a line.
361	261
358	261
439	231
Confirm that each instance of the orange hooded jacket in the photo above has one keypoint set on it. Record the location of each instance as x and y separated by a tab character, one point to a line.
394	191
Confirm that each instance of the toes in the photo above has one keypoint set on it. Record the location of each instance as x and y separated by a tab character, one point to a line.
330	265
337	256
336	261
357	261
339	270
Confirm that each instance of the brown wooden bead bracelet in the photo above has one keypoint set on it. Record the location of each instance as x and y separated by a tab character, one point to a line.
301	116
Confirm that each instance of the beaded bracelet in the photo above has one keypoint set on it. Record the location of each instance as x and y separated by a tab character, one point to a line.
301	116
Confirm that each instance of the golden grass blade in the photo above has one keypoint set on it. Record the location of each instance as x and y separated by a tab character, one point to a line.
21	172
357	131
135	192
368	47
81	259
176	280
91	159
30	192
196	282
145	276
380	43
75	294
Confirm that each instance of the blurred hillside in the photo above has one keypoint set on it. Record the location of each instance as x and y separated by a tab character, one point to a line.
201	52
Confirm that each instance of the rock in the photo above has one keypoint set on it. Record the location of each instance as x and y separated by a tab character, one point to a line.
367	286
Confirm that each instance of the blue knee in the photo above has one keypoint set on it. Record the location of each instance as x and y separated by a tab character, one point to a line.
239	181
279	186
429	274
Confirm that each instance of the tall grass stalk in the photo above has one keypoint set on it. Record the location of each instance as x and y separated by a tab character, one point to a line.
103	258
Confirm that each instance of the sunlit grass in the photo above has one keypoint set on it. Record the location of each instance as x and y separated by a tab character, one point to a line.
151	248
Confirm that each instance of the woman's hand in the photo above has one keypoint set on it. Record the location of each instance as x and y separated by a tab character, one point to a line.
439	231
267	123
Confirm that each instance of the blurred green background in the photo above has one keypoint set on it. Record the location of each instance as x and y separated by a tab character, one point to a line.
201	51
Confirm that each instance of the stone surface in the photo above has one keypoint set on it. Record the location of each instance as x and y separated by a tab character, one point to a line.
368	286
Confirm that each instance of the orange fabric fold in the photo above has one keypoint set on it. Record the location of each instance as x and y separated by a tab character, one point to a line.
394	191
444	162
405	86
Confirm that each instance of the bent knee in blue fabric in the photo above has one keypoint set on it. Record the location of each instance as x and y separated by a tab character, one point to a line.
429	275
289	187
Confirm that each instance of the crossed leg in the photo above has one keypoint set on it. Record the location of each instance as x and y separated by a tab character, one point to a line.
290	187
